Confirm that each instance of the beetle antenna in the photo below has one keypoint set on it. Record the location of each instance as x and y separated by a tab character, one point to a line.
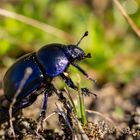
85	34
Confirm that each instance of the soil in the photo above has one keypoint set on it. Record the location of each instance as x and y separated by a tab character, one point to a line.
114	115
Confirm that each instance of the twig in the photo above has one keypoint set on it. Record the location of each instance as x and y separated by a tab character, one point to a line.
101	115
40	136
129	20
70	98
104	117
28	72
40	25
81	131
53	113
38	125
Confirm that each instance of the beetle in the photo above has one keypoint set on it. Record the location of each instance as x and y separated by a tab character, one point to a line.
48	62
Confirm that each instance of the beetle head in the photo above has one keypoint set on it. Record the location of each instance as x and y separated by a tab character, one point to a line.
75	53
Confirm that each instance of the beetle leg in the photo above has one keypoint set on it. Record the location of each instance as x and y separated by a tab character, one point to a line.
61	97
82	71
43	111
86	92
68	81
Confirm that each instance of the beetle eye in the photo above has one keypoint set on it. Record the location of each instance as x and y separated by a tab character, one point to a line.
77	51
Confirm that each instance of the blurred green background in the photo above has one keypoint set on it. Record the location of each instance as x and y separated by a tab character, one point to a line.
114	46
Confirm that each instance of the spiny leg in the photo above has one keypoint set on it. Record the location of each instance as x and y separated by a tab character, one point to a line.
48	92
43	111
70	83
66	104
86	92
58	93
62	98
83	72
44	107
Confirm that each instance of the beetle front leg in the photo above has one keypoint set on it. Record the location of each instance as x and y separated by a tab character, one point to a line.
86	92
83	72
68	81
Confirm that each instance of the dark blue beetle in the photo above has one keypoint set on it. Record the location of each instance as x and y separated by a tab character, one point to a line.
49	62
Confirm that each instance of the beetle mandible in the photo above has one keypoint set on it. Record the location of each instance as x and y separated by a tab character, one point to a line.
48	62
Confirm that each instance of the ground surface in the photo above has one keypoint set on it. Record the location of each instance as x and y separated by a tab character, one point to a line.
114	115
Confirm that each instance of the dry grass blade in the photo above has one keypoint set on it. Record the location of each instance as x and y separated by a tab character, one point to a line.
80	134
49	116
104	117
70	98
129	20
101	115
40	25
28	72
39	125
40	136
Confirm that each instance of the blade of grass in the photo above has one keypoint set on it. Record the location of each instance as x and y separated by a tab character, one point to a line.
81	106
71	100
27	74
40	25
126	16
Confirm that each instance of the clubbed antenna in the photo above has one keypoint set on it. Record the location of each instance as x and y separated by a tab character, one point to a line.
85	34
